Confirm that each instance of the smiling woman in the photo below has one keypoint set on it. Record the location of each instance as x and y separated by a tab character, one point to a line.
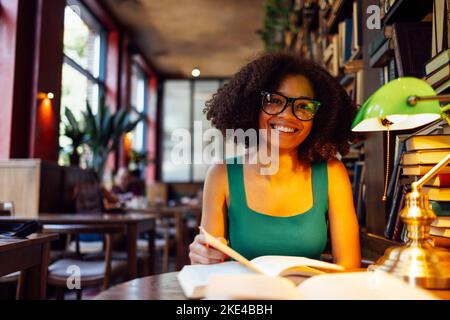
288	212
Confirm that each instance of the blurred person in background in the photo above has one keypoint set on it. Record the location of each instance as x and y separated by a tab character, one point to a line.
122	184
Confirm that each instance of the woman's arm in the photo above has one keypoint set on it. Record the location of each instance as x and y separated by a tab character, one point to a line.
214	200
213	216
344	227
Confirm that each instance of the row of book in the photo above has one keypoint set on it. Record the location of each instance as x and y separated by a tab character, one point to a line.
335	42
345	45
437	69
401	49
414	157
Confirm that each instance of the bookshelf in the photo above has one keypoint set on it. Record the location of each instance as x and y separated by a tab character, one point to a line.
361	74
340	10
400	10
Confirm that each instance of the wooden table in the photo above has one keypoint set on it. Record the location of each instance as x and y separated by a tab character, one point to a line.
166	287
178	212
31	257
134	224
159	287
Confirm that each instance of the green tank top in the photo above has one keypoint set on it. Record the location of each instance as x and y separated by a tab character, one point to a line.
254	234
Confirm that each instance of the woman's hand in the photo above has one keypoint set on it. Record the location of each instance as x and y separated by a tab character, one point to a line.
201	253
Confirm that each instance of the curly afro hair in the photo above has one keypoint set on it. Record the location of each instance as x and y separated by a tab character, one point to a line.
237	104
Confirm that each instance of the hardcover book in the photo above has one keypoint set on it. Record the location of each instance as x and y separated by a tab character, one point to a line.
425	142
261	280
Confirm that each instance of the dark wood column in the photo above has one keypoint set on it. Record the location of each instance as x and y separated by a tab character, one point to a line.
17	25
48	60
8	33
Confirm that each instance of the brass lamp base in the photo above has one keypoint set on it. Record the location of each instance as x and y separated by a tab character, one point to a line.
427	267
418	262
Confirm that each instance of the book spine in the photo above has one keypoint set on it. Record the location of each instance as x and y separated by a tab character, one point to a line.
444	180
441	208
398	222
441	242
395	175
441	232
403	237
393	214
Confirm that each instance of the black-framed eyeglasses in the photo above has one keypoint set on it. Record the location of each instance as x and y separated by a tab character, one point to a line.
303	108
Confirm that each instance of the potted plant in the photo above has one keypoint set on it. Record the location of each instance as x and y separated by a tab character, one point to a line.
104	131
138	160
73	130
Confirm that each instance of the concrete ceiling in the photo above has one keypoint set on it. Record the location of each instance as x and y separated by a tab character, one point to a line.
217	36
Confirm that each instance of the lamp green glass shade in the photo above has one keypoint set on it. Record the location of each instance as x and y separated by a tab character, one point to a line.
390	102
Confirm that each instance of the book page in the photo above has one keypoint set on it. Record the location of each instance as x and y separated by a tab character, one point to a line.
375	285
275	265
250	287
285	265
228	251
194	278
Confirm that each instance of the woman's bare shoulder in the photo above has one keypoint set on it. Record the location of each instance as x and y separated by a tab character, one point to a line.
217	178
217	172
336	170
216	183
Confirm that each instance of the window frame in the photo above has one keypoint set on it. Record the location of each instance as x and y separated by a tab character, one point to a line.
88	17
141	72
191	113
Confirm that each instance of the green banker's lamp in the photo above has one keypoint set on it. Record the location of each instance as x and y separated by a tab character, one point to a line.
401	104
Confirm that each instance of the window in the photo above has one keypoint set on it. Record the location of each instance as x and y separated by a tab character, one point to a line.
176	113
183	103
138	101
83	69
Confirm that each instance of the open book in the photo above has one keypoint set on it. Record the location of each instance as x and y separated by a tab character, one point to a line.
264	278
369	285
275	265
193	279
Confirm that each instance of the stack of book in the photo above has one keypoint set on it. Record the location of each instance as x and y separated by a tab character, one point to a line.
438	71
422	154
440	229
414	158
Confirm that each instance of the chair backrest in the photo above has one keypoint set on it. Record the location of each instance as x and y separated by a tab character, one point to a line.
88	198
6	208
157	193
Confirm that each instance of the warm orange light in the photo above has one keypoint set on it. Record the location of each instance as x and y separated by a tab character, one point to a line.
46	108
43	96
127	142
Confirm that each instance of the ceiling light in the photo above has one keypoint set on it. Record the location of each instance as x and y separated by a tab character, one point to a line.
195	72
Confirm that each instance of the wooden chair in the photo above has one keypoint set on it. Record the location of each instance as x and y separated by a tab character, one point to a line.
165	233
7	209
92	272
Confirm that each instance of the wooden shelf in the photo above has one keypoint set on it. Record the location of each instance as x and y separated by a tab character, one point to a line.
408	10
346	79
341	10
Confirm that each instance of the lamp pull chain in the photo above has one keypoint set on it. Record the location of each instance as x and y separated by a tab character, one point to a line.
387	163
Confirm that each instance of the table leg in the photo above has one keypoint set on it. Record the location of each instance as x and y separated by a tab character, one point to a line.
32	283
151	250
179	239
132	235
